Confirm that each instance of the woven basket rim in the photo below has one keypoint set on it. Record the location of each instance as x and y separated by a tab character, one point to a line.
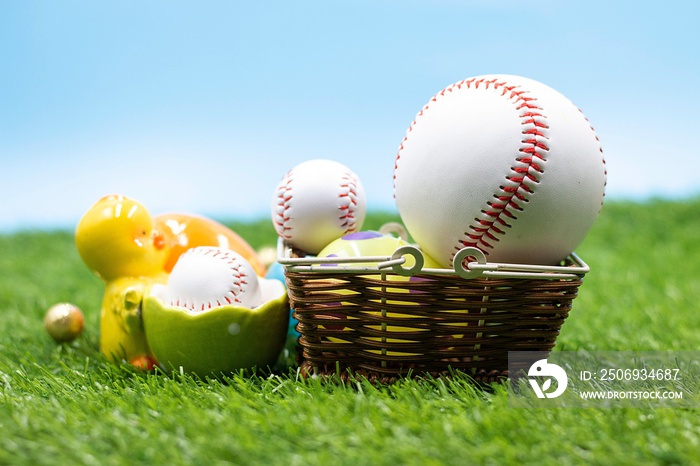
293	261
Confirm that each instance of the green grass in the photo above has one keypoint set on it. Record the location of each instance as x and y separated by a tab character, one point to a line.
64	404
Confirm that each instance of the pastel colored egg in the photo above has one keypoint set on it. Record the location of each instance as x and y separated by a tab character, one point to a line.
276	271
371	244
183	231
367	244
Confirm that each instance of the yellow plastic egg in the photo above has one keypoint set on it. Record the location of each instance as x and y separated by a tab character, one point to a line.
368	244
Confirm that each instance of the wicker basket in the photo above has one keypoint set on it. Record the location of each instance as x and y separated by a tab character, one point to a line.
386	321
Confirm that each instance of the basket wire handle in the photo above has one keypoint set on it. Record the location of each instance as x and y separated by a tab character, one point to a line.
461	264
398	259
394	228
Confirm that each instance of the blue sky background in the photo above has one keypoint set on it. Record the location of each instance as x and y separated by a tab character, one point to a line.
203	106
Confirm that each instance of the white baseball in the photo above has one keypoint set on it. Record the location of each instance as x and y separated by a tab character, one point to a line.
317	202
207	277
502	163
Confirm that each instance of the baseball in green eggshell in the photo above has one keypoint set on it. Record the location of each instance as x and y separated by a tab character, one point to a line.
220	340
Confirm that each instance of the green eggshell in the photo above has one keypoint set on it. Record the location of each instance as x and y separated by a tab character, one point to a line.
221	340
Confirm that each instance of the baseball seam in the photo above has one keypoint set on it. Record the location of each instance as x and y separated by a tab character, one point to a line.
348	196
525	173
284	198
238	275
605	165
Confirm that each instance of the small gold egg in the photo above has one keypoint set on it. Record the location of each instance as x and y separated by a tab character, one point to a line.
64	322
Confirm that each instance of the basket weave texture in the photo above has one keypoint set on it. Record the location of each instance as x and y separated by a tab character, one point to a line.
385	326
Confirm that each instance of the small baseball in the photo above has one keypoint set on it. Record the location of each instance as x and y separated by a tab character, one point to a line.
502	163
64	322
317	202
207	277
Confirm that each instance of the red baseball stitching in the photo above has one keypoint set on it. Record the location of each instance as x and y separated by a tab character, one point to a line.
283	205
605	165
525	173
349	198
238	276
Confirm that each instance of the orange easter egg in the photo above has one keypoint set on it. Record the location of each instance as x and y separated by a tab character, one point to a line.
183	231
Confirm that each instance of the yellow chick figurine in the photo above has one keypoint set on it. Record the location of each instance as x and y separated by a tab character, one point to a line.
116	239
